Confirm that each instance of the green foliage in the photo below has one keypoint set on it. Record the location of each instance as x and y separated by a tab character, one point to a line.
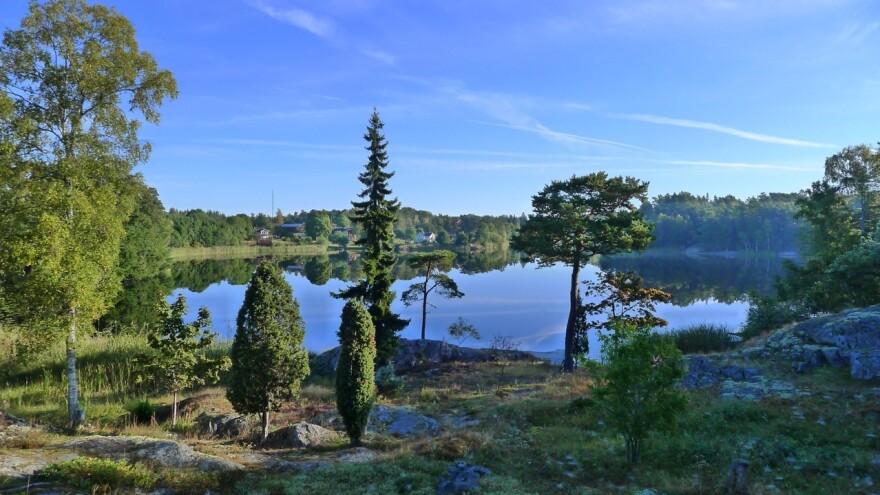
143	411
376	215
762	223
704	337
100	475
856	170
199	228
768	313
432	266
621	298
461	330
637	388
77	82
318	225
387	383
179	362
318	270
355	386
579	218
269	361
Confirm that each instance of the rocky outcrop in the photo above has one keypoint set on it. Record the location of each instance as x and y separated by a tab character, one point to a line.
847	339
706	372
301	435
461	478
415	355
401	421
165	453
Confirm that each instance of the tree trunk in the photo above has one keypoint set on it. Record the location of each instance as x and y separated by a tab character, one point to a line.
74	414
265	434
174	409
568	362
424	307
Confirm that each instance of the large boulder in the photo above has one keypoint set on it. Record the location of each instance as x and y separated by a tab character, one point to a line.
401	421
224	425
414	355
301	435
854	329
165	453
865	365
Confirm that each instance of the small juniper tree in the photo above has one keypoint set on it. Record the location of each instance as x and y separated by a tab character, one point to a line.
180	361
461	330
355	386
268	358
636	389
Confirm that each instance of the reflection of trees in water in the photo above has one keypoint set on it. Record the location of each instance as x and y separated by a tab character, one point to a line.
197	275
696	279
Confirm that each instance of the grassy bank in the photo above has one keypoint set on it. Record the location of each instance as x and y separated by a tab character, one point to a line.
245	250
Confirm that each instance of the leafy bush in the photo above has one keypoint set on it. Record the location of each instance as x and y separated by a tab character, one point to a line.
143	411
461	330
637	388
766	314
704	337
387	382
100	474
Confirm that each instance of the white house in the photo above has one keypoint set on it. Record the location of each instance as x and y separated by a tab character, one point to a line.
425	237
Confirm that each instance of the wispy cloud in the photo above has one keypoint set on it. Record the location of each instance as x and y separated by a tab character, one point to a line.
736	165
504	108
381	56
855	35
300	18
708	126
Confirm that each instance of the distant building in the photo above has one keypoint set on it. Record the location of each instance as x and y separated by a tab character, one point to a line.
425	237
263	237
294	228
345	230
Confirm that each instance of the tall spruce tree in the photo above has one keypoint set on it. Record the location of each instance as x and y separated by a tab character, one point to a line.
376	215
268	358
355	385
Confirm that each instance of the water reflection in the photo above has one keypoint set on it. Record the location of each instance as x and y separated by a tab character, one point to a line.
502	295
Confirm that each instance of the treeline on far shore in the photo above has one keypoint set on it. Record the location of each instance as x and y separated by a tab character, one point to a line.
682	220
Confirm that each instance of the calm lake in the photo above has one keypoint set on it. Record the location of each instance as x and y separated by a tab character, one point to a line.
502	296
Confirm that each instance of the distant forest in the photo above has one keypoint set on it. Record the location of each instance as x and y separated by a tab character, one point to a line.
682	221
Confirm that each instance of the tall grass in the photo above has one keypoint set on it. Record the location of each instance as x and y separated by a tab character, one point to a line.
704	337
110	372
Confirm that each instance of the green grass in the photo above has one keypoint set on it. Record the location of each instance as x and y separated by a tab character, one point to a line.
704	337
222	252
100	475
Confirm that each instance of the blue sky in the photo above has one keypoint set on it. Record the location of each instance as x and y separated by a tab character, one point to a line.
487	101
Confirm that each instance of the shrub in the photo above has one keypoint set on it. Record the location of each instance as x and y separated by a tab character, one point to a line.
636	389
355	380
704	337
97	474
766	314
143	411
461	330
387	382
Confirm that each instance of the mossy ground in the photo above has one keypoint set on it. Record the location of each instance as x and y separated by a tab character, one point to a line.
536	429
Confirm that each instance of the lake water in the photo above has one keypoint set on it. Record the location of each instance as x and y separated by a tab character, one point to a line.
502	296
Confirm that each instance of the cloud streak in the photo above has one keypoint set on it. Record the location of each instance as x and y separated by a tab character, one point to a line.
303	19
708	126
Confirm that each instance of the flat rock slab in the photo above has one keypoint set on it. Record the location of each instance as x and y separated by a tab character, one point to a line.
301	435
164	453
401	421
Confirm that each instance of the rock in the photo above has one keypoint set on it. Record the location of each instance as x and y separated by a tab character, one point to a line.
865	365
164	453
224	425
401	421
15	466
418	355
835	356
358	454
702	373
854	329
741	373
759	389
7	419
301	435
460	478
736	482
